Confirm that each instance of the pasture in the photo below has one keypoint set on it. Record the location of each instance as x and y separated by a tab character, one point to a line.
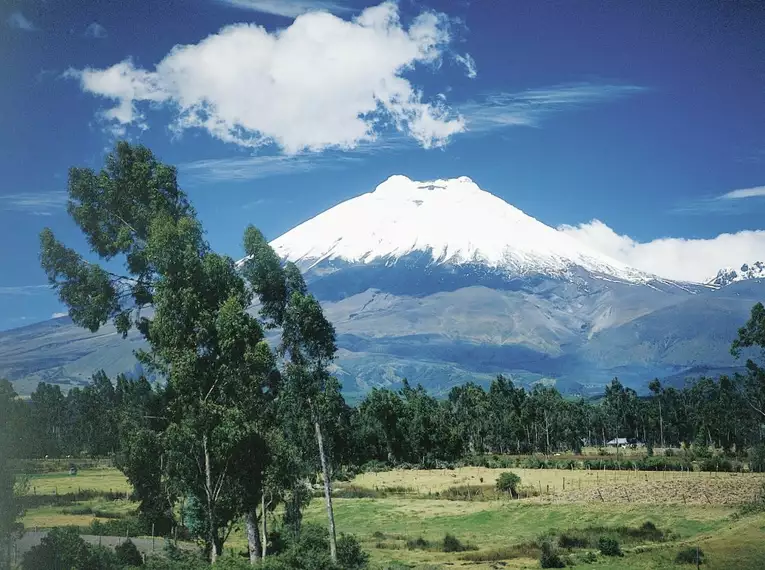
403	522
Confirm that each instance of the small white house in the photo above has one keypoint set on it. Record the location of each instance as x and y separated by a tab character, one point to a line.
618	442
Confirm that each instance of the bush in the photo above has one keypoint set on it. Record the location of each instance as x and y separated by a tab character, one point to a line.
716	464
128	555
452	544
669	452
128	526
549	557
609	546
566	540
508	483
688	556
350	556
61	548
418	543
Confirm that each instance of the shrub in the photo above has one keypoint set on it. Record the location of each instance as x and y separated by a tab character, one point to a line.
418	543
103	558
549	557
61	548
609	546
128	526
453	544
669	452
688	556
566	540
128	555
508	483
350	556
716	464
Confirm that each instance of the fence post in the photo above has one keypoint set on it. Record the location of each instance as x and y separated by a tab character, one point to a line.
152	536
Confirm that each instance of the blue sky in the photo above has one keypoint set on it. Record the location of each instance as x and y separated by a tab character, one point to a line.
639	127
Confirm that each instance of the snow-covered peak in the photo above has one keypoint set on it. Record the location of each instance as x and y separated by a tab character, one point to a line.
728	275
452	221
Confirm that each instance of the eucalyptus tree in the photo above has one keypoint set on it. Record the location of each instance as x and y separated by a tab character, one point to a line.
12	429
752	335
211	352
307	343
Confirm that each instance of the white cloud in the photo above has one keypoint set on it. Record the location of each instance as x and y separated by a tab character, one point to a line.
323	82
469	63
744	193
58	315
95	30
674	258
20	21
35	203
531	107
24	290
288	8
255	167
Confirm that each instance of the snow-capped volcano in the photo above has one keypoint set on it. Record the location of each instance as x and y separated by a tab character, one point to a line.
453	221
728	275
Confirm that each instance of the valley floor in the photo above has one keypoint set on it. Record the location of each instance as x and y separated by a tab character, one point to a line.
401	517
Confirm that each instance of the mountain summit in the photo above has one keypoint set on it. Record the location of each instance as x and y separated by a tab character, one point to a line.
450	222
442	283
728	275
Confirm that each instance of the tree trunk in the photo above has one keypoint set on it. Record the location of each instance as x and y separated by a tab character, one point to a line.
327	489
210	504
661	425
253	540
264	524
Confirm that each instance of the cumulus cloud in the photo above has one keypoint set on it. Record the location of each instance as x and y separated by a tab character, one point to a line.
744	193
674	258
95	30
322	82
58	315
21	22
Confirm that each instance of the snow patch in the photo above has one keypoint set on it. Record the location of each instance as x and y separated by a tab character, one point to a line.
453	221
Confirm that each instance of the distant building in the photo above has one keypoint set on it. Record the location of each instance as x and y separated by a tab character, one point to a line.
618	442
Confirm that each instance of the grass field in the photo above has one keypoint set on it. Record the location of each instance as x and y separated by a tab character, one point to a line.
503	532
102	480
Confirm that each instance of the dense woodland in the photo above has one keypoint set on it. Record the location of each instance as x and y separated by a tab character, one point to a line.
239	427
411	426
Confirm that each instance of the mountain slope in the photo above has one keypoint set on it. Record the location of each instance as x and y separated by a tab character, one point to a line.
441	282
446	222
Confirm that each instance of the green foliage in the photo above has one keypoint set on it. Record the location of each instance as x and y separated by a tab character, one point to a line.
573	540
60	548
609	546
127	526
549	558
10	503
757	458
350	556
418	543
508	483
452	544
128	554
690	555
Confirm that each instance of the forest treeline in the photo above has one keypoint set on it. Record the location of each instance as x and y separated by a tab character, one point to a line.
241	427
409	425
